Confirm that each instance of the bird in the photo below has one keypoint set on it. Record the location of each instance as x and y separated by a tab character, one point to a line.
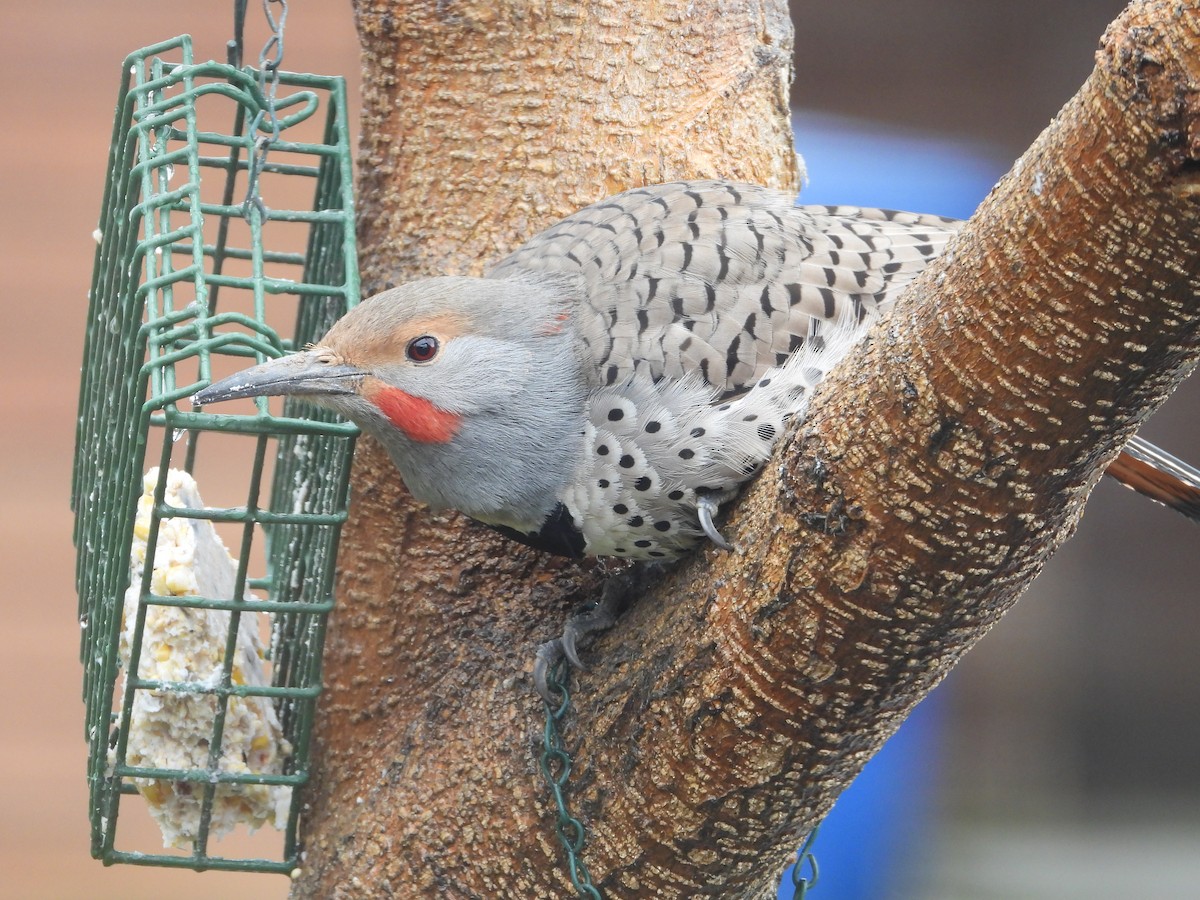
605	388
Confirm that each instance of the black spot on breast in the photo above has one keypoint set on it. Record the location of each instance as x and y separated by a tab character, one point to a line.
653	427
616	415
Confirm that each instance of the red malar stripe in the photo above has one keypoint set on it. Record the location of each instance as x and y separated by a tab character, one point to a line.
415	416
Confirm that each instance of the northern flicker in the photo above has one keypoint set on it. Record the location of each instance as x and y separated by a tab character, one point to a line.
602	390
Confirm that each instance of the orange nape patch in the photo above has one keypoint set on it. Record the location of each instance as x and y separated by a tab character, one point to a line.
415	416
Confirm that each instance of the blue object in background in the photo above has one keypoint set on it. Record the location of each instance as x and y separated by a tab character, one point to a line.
870	843
865	164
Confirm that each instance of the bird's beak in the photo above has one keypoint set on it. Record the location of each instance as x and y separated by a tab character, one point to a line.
307	373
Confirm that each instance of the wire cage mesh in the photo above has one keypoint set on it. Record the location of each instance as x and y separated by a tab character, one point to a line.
191	284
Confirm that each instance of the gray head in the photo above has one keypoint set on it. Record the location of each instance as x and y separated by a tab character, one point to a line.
473	385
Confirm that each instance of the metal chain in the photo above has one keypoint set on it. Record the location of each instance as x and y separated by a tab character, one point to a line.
269	61
556	769
804	855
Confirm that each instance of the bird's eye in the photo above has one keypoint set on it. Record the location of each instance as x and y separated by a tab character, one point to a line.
422	349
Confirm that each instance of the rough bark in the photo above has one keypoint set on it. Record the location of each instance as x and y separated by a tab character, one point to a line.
940	468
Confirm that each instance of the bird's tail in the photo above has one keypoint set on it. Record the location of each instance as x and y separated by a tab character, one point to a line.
1156	474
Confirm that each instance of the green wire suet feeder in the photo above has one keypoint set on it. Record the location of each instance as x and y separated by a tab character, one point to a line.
226	237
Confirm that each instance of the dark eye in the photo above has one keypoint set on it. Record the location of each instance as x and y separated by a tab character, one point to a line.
422	349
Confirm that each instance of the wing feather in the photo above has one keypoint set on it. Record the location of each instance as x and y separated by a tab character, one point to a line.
722	279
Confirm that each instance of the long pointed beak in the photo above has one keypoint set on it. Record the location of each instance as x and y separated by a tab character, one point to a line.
301	373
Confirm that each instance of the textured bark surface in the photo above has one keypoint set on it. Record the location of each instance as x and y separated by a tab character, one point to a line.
940	468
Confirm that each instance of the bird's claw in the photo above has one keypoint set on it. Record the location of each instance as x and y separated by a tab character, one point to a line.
548	656
581	627
569	640
706	507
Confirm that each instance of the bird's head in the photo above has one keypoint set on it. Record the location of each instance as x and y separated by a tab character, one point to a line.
456	376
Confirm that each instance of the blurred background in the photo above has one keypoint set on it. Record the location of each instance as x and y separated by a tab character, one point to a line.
1061	759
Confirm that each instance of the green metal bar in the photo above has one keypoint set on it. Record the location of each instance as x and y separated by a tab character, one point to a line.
212	250
187	687
244	514
268	606
277	215
260	424
200	864
203	776
231	645
278	168
279	286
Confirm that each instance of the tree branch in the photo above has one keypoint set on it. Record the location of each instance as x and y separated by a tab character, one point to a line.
940	468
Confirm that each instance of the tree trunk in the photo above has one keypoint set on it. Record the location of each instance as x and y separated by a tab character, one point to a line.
939	468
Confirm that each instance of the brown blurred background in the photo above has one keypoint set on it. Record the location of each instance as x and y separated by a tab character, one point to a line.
1069	751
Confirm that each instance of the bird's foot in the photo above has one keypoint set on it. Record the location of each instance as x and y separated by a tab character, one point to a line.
707	505
580	629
